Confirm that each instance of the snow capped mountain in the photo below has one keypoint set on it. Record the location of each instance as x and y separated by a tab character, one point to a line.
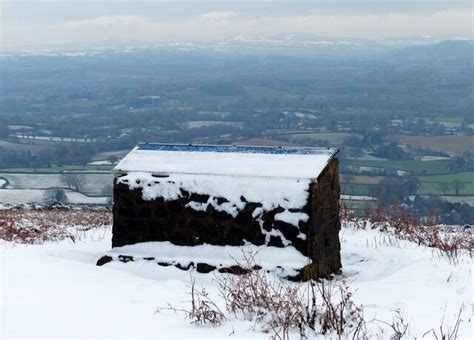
288	44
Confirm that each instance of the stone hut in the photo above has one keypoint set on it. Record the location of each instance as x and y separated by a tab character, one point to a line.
199	195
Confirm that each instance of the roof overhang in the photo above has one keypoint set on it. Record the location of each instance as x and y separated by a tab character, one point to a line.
229	160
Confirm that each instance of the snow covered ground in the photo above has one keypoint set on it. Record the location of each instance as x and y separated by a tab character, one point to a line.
100	163
24	196
56	290
94	182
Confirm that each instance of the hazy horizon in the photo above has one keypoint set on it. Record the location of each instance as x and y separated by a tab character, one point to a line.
60	23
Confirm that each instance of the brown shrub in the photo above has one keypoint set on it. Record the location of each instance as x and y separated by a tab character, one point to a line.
397	221
203	310
278	306
38	224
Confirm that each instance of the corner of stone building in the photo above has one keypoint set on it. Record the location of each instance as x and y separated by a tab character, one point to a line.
323	241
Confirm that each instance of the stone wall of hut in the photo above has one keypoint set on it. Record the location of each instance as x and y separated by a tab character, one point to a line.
137	220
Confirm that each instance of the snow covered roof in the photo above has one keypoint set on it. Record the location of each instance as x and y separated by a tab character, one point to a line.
285	162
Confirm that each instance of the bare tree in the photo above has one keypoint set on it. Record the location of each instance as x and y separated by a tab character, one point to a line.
108	192
74	181
348	178
113	159
458	185
444	186
52	196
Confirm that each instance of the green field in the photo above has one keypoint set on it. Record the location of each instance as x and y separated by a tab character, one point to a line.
437	167
462	176
335	138
360	205
430	185
18	147
427	188
193	124
357	189
451	121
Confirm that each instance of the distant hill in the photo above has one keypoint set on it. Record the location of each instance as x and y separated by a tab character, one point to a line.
450	50
224	88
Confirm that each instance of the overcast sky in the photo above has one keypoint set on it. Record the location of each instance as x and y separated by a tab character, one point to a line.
41	22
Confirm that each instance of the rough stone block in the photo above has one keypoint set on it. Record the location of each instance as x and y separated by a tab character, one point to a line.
137	220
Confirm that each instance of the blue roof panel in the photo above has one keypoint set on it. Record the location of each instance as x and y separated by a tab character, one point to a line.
236	149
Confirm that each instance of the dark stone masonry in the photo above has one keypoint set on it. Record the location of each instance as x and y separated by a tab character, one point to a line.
138	220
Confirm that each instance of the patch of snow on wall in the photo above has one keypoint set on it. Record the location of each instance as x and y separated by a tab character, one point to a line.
287	193
293	218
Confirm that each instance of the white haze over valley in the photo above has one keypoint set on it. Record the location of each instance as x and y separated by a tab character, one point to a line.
34	23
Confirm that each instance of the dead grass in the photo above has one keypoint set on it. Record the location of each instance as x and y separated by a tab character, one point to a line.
36	225
397	222
203	310
398	326
450	144
276	308
279	307
447	332
324	307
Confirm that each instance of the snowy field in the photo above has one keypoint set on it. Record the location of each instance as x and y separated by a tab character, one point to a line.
56	290
94	183
23	196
